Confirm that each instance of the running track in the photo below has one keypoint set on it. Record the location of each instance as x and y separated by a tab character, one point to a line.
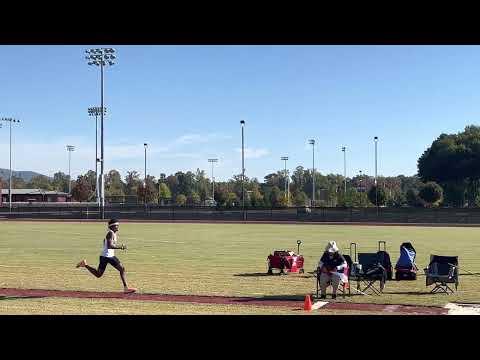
223	300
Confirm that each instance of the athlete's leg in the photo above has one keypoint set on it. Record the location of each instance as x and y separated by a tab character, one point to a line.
101	268
119	266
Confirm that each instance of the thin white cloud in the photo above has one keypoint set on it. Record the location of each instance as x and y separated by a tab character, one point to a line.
200	138
50	157
252	153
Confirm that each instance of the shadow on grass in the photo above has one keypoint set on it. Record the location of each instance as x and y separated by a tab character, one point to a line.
408	293
469	274
257	274
19	297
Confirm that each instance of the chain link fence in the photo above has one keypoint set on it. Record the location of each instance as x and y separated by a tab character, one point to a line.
318	214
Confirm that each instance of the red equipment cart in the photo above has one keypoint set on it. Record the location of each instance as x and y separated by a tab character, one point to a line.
286	261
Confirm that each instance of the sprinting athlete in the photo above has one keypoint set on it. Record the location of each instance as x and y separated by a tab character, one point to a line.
108	256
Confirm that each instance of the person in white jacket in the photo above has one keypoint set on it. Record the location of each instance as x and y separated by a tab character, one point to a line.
330	268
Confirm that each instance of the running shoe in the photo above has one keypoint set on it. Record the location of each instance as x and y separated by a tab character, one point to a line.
82	263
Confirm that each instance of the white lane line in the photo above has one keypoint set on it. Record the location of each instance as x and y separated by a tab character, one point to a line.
463	309
317	305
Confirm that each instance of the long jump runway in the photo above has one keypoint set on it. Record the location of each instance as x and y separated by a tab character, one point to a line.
222	300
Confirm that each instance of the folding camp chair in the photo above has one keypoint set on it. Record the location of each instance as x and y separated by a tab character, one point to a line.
441	271
371	271
367	270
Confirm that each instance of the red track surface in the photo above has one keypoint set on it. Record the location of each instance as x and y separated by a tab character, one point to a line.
223	300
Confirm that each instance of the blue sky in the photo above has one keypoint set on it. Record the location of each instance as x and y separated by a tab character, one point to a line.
187	102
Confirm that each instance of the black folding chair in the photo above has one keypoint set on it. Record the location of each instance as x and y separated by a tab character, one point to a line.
366	270
441	271
369	272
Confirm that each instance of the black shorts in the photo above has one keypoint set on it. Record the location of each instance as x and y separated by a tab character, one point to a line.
109	260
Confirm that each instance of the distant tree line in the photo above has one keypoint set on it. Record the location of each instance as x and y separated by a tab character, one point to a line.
194	188
448	175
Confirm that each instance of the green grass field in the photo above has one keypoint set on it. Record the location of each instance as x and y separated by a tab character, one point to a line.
209	259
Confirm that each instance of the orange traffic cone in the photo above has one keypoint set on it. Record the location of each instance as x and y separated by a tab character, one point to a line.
308	303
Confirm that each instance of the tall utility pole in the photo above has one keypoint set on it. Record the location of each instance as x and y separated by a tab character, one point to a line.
344	149
287	194
361	187
145	145
101	57
10	121
242	123
312	142
213	179
95	111
375	139
70	148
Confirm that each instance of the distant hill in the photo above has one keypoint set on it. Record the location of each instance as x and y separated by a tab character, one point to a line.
25	175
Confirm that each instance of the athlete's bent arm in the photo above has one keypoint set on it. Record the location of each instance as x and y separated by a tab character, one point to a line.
110	244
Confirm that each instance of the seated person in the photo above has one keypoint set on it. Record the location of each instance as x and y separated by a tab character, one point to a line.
330	268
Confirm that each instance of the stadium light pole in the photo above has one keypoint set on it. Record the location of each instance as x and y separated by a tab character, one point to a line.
212	161
70	148
0	178
101	57
242	123
10	121
361	188
285	158
344	149
375	139
312	142
145	145
95	111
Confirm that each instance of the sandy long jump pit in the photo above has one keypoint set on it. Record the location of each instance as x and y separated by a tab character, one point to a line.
225	300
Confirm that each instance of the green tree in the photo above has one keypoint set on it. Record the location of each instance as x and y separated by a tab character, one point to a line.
81	190
172	183
60	182
431	193
300	199
221	194
114	185
40	182
147	191
194	199
413	199
132	182
276	197
373	196
256	198
202	185
231	200
454	192
186	182
452	160
181	200
164	193
91	178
